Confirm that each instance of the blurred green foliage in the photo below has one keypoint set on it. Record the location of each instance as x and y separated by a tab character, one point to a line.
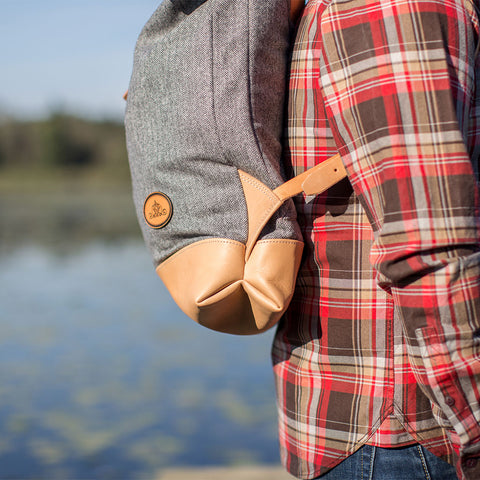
64	181
63	142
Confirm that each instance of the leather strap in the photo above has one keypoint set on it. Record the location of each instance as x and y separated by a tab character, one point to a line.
296	6
315	180
262	202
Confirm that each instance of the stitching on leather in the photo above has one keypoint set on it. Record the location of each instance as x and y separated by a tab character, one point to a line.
225	241
280	240
258	185
197	244
255	230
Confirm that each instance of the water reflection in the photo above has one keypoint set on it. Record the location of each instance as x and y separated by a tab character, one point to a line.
103	377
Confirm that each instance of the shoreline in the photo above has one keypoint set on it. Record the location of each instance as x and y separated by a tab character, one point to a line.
254	472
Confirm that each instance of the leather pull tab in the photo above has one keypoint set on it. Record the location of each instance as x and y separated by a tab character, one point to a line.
315	180
325	175
296	6
261	202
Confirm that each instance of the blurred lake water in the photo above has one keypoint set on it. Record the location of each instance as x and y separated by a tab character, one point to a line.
102	377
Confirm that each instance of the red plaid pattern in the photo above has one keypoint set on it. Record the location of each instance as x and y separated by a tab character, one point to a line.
381	343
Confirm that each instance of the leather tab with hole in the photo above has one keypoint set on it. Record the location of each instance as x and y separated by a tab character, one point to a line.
315	180
325	175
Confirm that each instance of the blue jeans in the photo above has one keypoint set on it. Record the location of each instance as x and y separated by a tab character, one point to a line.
405	463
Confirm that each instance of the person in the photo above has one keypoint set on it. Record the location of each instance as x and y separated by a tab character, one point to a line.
377	360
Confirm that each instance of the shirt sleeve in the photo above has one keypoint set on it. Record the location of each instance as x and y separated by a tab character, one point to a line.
398	82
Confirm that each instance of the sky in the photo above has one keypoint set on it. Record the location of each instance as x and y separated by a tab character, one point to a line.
69	55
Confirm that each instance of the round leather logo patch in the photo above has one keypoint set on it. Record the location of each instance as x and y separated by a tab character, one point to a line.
157	210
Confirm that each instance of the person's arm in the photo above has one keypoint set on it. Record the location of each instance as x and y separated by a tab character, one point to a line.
397	79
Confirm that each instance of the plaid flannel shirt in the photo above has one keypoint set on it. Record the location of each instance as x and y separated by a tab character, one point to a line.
381	343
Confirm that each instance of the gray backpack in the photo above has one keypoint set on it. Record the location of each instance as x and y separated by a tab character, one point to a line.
204	126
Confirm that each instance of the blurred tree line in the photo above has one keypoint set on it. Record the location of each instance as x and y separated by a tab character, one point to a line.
63	141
